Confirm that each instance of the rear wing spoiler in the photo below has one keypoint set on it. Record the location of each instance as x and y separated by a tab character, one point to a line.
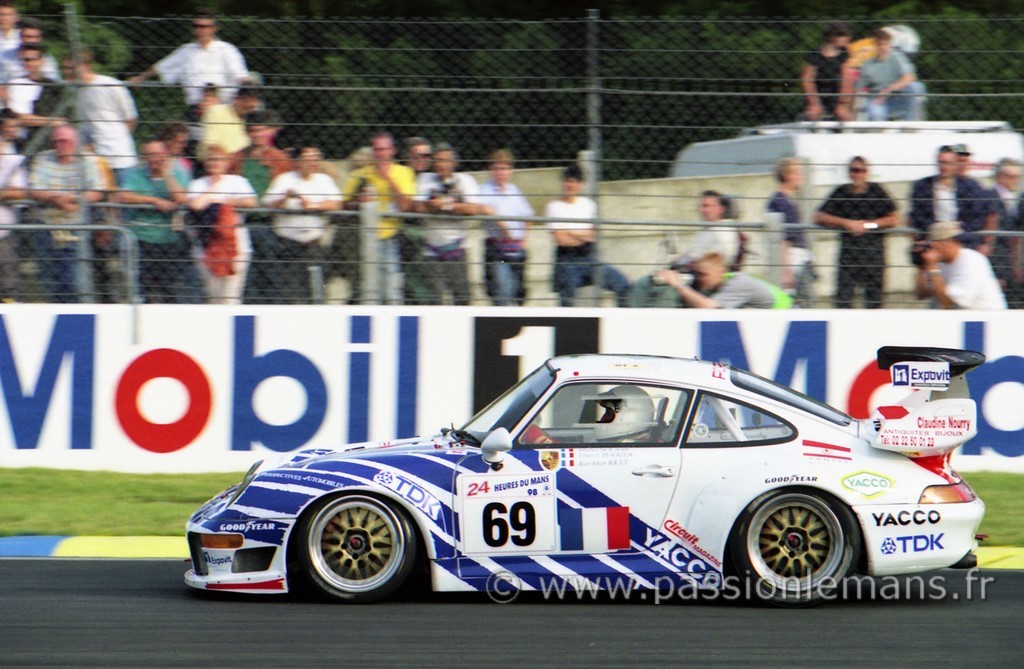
960	361
938	415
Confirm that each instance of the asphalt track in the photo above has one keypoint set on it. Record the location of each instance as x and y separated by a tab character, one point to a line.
137	613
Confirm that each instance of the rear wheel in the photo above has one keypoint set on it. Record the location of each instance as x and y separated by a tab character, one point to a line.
794	548
356	548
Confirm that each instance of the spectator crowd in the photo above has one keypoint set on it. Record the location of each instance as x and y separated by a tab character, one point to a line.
223	215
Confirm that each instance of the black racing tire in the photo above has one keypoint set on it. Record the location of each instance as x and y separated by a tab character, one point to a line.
795	547
356	548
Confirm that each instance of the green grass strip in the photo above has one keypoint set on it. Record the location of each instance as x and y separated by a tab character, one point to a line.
63	502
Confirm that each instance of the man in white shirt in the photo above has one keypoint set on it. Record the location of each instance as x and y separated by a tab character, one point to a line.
575	258
505	246
207	60
726	242
306	193
446	191
955	277
106	115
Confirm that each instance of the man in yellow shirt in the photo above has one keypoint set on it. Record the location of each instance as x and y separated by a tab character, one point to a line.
393	185
224	124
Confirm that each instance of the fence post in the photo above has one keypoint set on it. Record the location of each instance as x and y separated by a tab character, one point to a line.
773	248
372	269
316	284
83	268
594	92
590	160
591	295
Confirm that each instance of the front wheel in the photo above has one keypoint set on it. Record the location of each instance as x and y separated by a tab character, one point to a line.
794	548
356	548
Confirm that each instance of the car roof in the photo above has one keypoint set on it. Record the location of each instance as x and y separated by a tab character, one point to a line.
648	367
694	372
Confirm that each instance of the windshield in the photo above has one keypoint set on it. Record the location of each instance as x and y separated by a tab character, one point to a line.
777	391
508	410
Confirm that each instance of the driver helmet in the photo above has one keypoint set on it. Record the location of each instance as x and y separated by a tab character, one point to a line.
625	411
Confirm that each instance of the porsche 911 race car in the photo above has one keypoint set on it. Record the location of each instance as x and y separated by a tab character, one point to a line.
603	468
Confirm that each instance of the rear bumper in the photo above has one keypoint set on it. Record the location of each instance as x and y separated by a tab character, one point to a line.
909	538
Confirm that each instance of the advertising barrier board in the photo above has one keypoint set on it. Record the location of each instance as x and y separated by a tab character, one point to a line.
198	389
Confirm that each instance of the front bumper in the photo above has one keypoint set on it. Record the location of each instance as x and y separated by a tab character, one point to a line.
255	567
236	554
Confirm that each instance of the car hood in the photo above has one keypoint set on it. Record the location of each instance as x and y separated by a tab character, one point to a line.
311	457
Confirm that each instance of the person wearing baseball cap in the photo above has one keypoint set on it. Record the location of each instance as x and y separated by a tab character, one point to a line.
963	160
952	276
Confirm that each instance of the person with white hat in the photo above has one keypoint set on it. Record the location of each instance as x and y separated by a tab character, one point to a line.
952	276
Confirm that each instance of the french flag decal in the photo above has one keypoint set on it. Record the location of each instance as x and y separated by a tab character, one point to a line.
594	530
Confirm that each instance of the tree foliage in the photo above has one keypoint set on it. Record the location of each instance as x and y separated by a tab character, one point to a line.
480	83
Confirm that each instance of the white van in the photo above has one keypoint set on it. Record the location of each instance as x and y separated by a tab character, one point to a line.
898	151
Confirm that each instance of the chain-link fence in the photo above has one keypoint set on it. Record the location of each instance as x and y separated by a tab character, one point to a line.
622	97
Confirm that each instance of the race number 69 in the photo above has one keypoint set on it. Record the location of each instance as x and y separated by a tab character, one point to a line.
517	522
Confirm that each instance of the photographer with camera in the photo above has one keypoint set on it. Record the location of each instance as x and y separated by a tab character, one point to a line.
727	242
954	277
715	287
456	194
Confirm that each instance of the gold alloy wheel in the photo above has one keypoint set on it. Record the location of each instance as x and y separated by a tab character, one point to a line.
356	544
794	541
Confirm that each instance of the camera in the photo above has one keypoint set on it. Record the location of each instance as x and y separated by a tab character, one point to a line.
917	250
685	278
440	191
448	189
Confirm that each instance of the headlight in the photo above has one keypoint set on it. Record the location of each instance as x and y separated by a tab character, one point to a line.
246	480
221	541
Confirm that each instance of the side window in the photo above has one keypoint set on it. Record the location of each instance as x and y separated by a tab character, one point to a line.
718	421
594	414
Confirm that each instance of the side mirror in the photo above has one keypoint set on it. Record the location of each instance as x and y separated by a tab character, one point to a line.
494	447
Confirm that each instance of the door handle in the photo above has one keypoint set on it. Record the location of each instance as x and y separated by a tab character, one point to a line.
655	471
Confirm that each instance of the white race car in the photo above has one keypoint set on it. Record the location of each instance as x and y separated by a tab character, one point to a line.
613	469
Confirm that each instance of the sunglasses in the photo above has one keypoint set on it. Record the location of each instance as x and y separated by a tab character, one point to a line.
858	170
202	25
28	60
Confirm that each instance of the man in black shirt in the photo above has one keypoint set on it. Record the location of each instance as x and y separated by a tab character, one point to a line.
860	209
822	76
